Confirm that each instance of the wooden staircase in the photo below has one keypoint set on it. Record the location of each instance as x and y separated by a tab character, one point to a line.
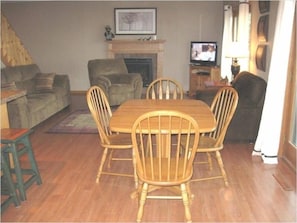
13	51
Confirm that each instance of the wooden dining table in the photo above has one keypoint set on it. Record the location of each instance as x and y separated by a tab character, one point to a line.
125	115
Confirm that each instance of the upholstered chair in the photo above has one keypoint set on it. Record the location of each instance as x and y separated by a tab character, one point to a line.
112	76
246	120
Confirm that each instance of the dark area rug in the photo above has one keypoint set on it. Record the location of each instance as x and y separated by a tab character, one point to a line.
80	121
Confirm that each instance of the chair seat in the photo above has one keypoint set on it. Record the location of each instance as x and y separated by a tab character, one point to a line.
119	141
121	88
208	144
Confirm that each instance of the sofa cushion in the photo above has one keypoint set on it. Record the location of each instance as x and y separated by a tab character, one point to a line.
120	89
119	79
28	85
44	82
39	101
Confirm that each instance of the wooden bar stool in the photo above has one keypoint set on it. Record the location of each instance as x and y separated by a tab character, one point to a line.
18	144
7	185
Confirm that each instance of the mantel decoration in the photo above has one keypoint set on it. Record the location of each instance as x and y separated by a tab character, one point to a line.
262	29
264	6
261	57
133	21
108	34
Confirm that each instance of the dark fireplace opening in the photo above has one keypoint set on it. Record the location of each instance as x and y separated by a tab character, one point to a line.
144	66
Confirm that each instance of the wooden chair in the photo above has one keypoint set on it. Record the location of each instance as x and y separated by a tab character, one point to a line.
160	160
101	112
164	88
223	108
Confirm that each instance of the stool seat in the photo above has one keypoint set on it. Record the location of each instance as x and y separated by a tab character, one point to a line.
17	144
13	134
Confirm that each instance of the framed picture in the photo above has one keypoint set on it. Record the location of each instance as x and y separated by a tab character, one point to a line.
262	28
263	6
261	57
135	21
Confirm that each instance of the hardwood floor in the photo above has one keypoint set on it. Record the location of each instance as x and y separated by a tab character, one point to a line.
68	165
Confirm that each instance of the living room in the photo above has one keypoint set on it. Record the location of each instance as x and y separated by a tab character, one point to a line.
86	21
63	36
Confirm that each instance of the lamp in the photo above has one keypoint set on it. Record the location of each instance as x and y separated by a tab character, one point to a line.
236	50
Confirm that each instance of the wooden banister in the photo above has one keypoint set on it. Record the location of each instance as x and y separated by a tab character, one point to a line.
13	51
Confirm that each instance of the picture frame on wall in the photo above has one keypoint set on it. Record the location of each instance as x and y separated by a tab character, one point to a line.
264	6
135	21
261	57
262	29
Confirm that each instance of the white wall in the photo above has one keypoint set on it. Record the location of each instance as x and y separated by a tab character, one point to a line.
62	36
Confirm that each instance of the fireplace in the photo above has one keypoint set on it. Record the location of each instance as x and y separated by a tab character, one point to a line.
136	49
144	66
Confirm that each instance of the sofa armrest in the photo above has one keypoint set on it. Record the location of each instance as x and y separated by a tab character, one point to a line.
18	113
137	82
136	78
62	81
102	81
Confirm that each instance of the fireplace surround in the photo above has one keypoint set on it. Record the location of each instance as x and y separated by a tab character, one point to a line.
151	49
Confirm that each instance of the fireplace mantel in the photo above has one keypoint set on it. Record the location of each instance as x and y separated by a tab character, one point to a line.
116	47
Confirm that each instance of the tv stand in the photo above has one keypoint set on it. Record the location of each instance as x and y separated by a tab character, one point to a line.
199	74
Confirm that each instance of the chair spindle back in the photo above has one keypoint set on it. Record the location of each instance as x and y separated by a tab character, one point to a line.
100	110
160	157
223	108
164	88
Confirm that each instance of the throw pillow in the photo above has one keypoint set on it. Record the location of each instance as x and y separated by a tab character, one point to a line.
44	81
8	86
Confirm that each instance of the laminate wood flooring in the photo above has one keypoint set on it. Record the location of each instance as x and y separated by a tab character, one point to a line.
68	165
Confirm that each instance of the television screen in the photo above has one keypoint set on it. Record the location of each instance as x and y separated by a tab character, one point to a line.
203	53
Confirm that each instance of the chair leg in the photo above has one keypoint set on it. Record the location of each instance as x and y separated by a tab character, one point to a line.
110	158
209	161
142	201
190	194
134	169
101	165
185	197
221	164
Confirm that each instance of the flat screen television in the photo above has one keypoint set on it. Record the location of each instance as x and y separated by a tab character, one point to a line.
203	53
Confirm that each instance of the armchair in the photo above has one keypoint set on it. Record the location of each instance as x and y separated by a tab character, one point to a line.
251	91
112	76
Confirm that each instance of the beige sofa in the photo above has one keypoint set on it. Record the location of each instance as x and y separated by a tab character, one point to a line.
46	94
